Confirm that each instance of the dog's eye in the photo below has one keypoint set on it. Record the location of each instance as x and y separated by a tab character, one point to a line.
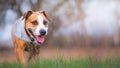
45	22
34	22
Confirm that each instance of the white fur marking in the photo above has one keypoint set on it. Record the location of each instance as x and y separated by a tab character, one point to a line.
40	25
19	30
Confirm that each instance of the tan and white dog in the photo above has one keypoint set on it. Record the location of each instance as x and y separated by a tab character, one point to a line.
28	33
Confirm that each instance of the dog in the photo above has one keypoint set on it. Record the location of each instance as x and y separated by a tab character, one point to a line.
28	33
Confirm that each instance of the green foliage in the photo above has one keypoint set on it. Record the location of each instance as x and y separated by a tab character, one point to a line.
68	63
10	65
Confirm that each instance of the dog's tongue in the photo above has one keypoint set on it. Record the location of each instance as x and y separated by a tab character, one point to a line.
40	39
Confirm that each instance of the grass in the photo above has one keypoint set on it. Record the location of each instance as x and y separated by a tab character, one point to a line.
68	63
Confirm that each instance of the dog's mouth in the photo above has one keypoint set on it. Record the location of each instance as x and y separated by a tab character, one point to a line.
39	38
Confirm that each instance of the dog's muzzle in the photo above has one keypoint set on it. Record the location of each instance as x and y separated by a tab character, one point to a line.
39	38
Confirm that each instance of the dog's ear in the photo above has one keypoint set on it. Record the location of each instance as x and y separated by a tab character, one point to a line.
27	14
44	13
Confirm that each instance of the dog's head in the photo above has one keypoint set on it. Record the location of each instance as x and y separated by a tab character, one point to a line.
36	25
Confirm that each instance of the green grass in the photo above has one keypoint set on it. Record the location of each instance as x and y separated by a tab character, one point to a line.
71	63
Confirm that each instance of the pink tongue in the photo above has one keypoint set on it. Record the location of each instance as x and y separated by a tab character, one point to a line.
40	39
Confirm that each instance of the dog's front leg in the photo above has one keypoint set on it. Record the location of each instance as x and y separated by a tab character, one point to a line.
20	54
19	51
19	46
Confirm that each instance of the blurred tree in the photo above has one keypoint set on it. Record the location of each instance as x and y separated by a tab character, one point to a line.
82	19
55	23
37	5
4	5
116	33
16	6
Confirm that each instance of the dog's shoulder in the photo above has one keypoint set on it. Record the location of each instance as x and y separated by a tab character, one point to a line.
18	29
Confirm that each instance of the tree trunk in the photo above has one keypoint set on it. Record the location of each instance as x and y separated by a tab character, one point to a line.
82	18
116	33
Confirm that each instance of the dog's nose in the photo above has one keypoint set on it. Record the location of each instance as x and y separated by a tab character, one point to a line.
42	32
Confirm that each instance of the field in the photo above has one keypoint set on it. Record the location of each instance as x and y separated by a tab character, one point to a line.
61	58
68	63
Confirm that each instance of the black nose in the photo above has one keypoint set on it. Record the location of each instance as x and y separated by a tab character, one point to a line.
42	32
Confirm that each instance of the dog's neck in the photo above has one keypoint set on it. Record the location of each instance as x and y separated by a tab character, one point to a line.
19	30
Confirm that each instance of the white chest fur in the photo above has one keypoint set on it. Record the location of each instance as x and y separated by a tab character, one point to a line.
19	31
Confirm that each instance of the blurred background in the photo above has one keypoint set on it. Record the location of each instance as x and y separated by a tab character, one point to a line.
78	28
